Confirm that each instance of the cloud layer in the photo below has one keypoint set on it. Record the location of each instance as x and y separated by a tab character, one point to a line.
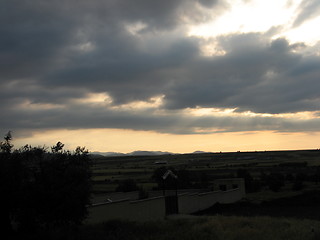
89	64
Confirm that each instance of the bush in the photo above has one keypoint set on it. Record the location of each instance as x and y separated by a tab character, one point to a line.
44	189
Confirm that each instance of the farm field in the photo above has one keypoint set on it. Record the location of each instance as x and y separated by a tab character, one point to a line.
282	195
268	174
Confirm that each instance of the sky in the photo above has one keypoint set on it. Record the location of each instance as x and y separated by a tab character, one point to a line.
178	76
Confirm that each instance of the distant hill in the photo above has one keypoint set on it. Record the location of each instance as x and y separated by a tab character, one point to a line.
135	153
108	154
148	153
200	152
140	153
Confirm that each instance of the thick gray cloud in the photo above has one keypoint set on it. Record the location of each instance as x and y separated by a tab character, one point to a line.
255	74
84	116
54	53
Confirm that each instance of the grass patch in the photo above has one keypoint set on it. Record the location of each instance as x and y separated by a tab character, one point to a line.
200	228
217	227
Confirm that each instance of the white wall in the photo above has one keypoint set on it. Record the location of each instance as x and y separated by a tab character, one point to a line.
154	208
141	210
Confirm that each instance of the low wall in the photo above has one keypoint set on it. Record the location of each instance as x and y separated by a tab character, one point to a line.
197	202
115	196
154	208
140	210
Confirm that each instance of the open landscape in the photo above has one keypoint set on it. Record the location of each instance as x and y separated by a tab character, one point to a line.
278	183
282	199
149	119
282	195
268	174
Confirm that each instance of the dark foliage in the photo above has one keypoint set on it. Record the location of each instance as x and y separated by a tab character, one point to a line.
43	189
127	185
275	181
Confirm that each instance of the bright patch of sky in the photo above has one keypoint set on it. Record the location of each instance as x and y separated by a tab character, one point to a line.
260	16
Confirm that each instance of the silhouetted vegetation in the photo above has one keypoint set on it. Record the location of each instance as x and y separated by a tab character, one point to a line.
42	189
275	181
127	185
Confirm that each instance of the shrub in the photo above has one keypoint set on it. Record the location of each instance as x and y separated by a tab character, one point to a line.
41	188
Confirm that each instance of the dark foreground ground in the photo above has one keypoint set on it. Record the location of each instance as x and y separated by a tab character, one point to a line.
199	228
302	206
294	218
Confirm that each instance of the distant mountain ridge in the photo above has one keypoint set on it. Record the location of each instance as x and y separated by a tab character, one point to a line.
139	153
135	153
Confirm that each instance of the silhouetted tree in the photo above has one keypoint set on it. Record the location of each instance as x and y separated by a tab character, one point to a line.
6	146
42	189
7	182
57	148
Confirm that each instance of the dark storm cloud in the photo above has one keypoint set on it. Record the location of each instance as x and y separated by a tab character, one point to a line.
124	70
40	39
34	37
54	53
307	10
255	74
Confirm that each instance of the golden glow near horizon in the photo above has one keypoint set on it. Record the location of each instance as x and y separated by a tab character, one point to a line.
125	141
204	139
